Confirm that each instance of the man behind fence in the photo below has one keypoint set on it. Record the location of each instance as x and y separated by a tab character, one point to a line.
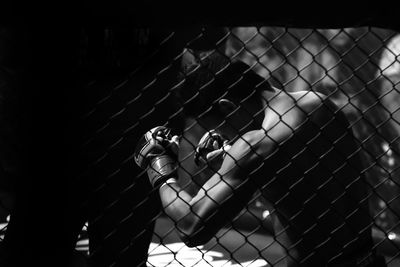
296	148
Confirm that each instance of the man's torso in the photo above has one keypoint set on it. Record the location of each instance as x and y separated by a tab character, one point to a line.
316	186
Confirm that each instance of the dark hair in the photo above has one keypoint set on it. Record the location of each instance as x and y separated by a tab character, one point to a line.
210	80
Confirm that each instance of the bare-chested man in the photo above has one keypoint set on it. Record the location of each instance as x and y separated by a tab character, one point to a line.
296	148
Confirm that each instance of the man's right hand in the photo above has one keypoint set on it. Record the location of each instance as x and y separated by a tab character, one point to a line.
156	152
211	149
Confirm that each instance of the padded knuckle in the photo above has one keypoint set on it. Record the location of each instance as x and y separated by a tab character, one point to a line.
148	146
206	145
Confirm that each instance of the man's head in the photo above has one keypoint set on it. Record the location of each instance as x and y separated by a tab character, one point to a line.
219	91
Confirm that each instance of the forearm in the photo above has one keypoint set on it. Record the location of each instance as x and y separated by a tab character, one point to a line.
176	203
191	215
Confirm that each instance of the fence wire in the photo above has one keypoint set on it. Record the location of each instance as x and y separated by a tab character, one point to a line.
131	78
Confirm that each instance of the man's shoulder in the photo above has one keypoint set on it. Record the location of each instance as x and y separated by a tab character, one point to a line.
292	111
300	101
308	101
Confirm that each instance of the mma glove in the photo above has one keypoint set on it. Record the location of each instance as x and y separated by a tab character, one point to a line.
156	152
211	150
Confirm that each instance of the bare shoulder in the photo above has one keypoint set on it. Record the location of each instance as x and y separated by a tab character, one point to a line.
307	101
319	109
290	110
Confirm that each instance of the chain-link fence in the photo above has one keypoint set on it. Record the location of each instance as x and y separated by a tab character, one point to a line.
132	80
356	68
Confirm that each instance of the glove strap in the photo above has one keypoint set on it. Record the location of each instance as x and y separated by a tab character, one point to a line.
161	169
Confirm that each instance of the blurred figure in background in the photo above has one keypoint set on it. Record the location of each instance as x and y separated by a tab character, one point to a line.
388	76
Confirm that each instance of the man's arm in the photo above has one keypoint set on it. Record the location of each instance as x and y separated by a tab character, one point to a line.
223	196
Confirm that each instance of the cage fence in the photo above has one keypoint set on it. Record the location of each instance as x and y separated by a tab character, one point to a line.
130	76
